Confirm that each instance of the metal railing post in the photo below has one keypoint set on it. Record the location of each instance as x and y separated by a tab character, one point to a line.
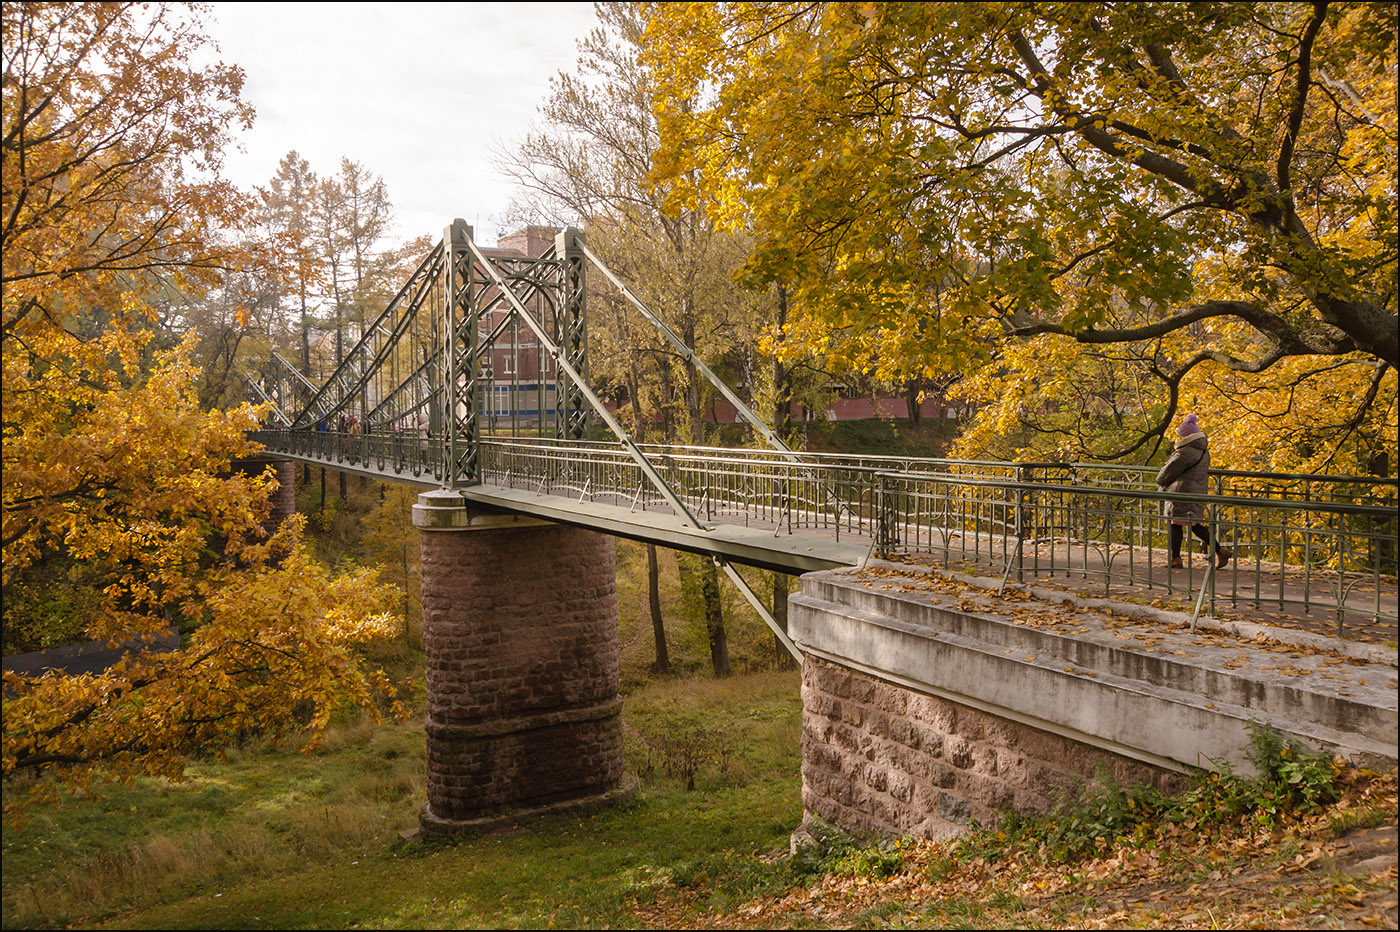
885	535
1020	528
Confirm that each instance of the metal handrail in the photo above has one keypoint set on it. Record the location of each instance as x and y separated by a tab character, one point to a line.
1386	488
1311	554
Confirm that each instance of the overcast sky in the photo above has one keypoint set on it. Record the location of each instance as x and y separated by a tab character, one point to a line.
416	92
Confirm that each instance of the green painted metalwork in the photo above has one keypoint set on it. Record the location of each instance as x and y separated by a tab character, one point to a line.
407	404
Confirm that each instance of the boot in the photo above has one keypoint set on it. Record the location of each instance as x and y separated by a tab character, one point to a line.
1176	564
1222	556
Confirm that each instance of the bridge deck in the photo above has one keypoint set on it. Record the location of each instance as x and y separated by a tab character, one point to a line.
726	537
751	545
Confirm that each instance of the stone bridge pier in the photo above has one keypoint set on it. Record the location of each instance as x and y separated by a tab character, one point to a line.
520	629
284	499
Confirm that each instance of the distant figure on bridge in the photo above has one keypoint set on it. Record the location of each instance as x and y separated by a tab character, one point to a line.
423	434
1187	470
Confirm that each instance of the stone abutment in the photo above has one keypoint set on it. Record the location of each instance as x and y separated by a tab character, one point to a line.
930	703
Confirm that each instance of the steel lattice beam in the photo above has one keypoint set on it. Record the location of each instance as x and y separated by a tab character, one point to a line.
572	320
458	366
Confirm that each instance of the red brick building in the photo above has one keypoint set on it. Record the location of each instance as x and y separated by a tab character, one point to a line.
518	376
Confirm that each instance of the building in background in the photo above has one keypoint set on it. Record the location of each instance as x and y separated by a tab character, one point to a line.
519	381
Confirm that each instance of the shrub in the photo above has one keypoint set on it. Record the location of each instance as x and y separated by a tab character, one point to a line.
1291	782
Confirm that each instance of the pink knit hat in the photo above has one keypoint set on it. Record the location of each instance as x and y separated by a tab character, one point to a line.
1188	427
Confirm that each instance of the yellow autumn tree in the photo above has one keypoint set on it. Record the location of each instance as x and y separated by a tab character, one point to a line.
112	145
1178	201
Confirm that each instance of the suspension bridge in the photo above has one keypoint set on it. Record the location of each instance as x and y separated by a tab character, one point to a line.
432	394
412	403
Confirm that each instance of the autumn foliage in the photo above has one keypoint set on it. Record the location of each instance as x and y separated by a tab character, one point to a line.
112	197
1097	214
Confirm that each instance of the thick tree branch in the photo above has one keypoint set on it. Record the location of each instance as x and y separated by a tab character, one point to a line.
1212	192
1367	325
1300	95
1283	333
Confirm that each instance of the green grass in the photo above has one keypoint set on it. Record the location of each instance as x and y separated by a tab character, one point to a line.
932	437
273	837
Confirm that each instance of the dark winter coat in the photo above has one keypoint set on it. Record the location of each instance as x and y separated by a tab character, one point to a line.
1186	470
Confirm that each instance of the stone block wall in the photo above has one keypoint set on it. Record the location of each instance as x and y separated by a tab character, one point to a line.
520	628
284	500
879	759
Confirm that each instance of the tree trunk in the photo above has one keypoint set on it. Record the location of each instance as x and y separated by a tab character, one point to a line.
634	391
780	609
663	657
668	419
911	400
714	618
323	488
782	379
305	335
403	565
692	375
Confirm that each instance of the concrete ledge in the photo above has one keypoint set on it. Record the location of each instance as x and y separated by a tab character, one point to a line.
1150	692
448	510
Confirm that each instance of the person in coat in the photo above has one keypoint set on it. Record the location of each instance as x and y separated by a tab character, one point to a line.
1187	470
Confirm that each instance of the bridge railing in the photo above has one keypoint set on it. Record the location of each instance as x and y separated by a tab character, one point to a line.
391	453
1301	543
1305	555
1361	490
758	489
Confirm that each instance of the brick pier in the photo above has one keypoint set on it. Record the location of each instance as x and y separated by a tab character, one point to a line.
520	628
284	499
